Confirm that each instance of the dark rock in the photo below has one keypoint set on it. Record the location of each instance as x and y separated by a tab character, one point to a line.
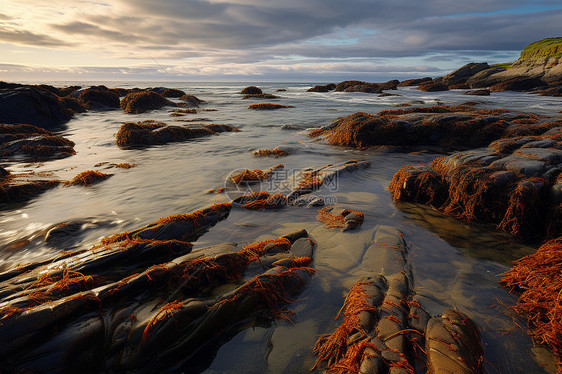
99	99
414	82
485	78
251	90
32	106
140	102
33	143
74	104
172	92
191	99
390	85
268	106
459	86
432	87
322	88
462	74
358	86
151	133
477	92
518	84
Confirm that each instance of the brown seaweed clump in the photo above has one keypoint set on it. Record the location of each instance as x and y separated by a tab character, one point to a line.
153	133
33	142
191	100
256	175
346	219
265	200
276	152
268	106
143	101
87	178
536	278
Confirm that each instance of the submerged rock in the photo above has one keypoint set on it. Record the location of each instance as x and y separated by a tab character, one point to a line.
146	297
268	106
33	143
346	219
87	178
153	133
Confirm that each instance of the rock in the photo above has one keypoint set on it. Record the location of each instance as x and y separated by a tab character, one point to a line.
87	178
172	92
29	105
268	106
322	88
390	85
303	247
485	78
414	82
478	92
459	86
432	87
152	133
140	102
33	143
358	86
462	74
191	100
251	90
518	84
462	126
97	99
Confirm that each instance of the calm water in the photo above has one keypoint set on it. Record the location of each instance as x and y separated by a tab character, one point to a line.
455	265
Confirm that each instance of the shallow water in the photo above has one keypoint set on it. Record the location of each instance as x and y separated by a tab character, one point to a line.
455	265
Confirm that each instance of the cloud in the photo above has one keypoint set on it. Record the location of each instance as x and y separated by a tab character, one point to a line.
30	38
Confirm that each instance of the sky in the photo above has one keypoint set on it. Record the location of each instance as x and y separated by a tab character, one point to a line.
263	40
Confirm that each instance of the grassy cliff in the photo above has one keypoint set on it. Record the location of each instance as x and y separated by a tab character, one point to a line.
550	47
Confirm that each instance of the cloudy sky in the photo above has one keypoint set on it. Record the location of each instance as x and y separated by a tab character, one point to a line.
263	40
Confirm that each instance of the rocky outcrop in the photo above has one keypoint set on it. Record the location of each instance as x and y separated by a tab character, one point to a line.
153	133
143	301
414	82
518	84
30	105
448	126
251	90
516	183
462	74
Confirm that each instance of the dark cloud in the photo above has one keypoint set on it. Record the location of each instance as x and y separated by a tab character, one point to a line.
30	38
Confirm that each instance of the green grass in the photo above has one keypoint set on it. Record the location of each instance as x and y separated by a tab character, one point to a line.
550	47
503	66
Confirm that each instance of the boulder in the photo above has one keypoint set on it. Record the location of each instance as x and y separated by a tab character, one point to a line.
358	86
172	92
97	99
322	88
32	106
414	82
251	90
140	102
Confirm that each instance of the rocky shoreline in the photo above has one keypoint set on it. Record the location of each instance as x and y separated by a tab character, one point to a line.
145	300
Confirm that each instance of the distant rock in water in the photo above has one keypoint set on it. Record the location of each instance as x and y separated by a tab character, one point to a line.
93	98
172	92
191	100
153	133
323	88
432	87
478	92
30	105
414	82
268	106
390	85
140	102
251	90
358	86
